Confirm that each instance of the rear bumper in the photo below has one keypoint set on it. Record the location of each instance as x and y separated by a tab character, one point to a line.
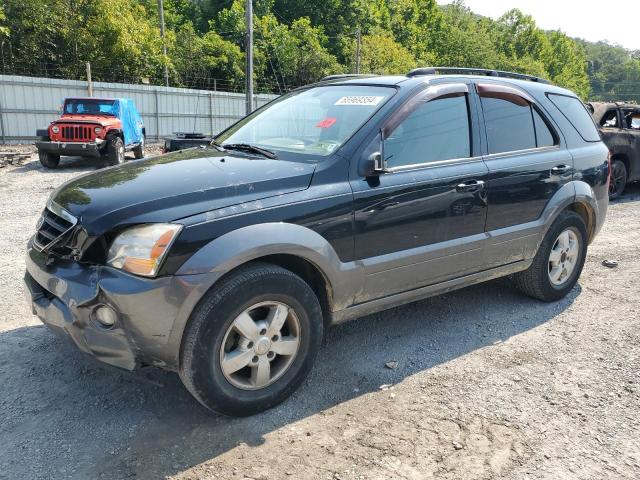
72	149
66	295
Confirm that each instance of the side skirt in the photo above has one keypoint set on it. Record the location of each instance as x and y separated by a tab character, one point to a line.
373	306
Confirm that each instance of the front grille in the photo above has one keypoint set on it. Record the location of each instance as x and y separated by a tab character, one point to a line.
77	133
51	227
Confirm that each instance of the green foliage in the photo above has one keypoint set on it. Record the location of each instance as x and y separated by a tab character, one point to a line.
119	37
382	55
296	42
614	72
297	53
4	31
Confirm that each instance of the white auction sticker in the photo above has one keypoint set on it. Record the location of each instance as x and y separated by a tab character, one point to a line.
368	100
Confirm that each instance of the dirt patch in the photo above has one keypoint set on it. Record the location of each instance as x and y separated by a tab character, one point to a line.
488	384
15	154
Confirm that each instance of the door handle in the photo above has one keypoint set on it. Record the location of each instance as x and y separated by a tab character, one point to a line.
558	169
470	186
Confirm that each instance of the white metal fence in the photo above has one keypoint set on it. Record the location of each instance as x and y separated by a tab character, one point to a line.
29	103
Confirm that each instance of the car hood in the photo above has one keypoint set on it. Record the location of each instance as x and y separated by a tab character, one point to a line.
174	186
104	120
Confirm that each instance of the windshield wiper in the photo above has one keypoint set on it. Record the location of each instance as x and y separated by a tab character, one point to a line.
250	148
216	145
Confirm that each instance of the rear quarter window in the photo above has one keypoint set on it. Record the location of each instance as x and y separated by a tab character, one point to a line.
575	111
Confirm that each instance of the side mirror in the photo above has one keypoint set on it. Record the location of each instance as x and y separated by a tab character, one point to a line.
378	162
372	162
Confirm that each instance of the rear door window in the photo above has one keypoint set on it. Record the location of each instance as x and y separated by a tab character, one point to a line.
575	111
509	126
544	135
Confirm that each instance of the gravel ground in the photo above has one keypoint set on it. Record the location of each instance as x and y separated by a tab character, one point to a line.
488	384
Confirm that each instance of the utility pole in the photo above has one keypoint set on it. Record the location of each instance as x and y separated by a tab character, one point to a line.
249	57
358	48
164	43
89	82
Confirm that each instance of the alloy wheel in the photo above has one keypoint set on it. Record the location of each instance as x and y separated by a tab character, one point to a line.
260	345
564	257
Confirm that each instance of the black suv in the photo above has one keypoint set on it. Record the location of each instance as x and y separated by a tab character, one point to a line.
350	196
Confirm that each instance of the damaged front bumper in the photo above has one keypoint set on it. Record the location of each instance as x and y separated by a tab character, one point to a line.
72	149
66	296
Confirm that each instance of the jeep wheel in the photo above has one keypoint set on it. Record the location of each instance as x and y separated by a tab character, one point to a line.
48	160
251	341
115	151
618	180
559	261
138	152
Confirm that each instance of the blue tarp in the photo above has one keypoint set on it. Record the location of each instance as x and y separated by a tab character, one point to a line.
131	121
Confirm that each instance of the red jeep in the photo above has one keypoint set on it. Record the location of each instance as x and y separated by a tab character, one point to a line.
93	127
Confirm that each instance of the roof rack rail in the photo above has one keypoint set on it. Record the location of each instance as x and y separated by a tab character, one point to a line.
474	71
347	75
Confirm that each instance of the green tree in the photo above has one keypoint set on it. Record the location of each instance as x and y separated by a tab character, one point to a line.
4	30
296	54
466	39
381	54
121	39
567	64
198	60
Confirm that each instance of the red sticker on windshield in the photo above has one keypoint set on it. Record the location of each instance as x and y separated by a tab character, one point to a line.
326	123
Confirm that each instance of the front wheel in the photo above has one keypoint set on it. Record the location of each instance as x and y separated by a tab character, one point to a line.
251	341
138	152
559	261
48	160
115	151
618	180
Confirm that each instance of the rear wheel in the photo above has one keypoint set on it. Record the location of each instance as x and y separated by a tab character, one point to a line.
618	180
115	151
559	261
48	160
138	152
251	341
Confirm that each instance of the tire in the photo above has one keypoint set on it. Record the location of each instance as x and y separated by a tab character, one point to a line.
212	337
48	160
537	281
618	180
138	152
115	151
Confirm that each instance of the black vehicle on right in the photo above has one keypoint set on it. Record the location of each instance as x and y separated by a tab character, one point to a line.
619	125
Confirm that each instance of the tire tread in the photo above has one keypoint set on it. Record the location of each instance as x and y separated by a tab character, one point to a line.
534	281
193	332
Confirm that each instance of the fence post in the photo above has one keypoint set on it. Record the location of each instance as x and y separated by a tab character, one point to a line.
211	112
2	135
89	82
155	91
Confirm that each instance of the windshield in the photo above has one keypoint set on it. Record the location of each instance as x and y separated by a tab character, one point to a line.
314	121
84	106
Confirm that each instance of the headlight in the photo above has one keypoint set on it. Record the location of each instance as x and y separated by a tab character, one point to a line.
55	129
141	249
97	130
